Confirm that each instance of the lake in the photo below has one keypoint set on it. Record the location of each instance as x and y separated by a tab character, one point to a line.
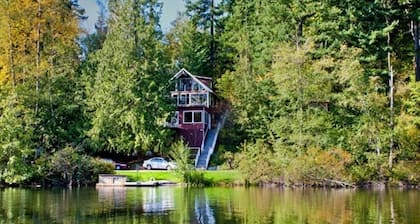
208	205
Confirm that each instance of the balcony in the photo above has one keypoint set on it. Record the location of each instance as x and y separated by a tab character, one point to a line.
191	98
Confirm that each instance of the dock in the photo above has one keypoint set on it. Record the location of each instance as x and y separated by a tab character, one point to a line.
142	184
111	180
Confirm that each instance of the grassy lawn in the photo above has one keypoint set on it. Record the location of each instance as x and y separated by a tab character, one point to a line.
223	176
215	177
145	175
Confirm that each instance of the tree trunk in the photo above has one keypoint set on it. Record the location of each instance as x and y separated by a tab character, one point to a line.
11	59
38	56
391	101
212	44
416	48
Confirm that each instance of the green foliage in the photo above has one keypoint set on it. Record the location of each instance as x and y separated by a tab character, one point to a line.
408	123
205	22
195	178
127	96
407	171
38	104
16	146
256	163
306	81
189	48
315	85
181	154
213	178
67	167
318	167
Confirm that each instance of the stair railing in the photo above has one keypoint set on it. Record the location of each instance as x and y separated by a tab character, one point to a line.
197	157
213	145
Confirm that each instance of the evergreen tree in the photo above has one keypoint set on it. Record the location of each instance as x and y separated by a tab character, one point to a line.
128	96
188	51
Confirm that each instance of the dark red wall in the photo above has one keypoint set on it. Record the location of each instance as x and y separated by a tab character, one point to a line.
193	137
192	133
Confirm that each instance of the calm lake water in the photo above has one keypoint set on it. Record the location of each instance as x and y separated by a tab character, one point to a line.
208	205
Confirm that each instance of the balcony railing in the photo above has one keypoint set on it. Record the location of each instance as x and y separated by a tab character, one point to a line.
192	98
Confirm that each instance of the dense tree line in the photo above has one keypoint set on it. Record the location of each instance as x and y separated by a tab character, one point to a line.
317	91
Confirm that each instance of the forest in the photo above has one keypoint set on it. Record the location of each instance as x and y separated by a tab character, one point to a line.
316	91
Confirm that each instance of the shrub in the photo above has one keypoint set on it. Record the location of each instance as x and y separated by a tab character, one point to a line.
256	162
181	154
195	178
319	166
407	171
67	167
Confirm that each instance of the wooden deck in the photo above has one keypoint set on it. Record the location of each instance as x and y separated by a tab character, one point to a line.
110	180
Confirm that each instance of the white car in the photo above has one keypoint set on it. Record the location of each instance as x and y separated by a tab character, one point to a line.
158	163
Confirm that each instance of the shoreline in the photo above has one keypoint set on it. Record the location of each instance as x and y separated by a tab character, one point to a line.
365	186
233	178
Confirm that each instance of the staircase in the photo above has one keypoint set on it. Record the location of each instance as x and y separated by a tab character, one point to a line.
207	149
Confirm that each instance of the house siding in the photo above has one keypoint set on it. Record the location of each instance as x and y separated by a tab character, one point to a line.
193	133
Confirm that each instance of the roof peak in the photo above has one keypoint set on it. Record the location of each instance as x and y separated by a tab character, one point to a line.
196	78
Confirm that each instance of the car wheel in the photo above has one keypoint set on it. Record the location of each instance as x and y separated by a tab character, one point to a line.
168	167
117	167
149	167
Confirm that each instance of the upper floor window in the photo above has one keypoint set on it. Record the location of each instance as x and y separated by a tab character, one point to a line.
188	84
184	84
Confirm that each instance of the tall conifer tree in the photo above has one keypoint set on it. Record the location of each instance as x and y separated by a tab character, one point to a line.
128	97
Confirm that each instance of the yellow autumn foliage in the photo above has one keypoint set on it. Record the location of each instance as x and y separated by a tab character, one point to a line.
27	24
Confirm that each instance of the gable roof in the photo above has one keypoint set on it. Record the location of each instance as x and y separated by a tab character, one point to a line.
184	71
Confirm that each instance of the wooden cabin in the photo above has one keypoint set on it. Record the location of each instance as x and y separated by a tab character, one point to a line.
195	102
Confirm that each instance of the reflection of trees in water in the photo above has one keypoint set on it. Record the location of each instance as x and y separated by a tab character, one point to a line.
208	205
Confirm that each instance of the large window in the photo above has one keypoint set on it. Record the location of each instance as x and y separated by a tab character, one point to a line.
193	117
188	84
192	99
199	99
184	84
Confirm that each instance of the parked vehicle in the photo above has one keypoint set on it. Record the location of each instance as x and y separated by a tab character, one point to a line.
158	163
117	165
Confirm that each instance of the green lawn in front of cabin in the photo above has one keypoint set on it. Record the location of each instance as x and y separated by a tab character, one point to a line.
146	175
217	177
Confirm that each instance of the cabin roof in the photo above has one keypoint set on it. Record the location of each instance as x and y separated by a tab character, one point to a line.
184	71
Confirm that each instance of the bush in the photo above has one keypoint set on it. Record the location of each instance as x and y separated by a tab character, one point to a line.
195	178
181	154
408	172
319	166
256	162
373	168
67	167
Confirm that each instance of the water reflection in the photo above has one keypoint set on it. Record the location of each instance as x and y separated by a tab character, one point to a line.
158	200
112	197
203	211
208	205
